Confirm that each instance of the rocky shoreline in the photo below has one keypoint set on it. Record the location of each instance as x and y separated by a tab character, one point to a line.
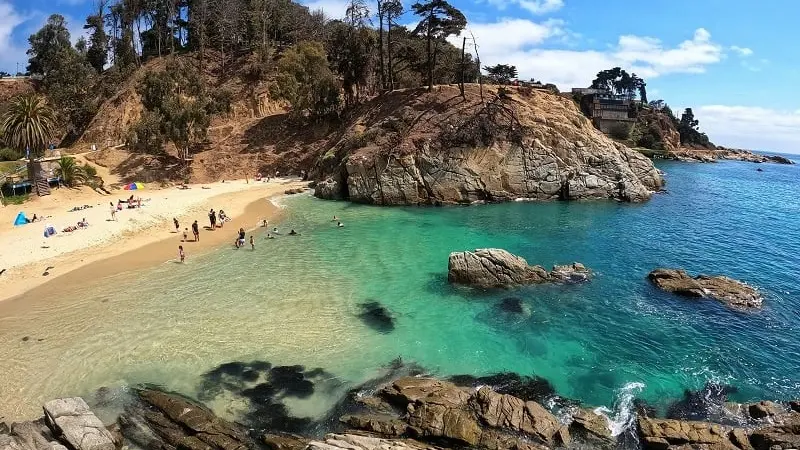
722	153
501	412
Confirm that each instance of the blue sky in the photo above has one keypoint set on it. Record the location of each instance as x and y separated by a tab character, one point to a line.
736	63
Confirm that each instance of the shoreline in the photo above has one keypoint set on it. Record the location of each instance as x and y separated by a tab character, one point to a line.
149	246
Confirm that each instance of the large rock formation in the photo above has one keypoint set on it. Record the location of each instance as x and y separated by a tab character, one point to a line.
416	147
492	267
726	290
71	419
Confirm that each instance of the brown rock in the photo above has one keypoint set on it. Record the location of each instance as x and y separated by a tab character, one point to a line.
357	442
663	434
282	441
591	428
740	439
724	289
386	426
762	410
492	268
510	413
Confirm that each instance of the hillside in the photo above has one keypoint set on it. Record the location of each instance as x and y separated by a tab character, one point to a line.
419	147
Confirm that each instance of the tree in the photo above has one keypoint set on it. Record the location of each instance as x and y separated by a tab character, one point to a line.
46	45
305	80
392	9
97	54
439	19
620	82
350	51
688	128
70	172
28	125
501	73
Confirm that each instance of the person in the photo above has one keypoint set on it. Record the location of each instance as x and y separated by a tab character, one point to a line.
212	218
177	225
252	242
339	224
334	219
293	233
240	242
269	236
275	230
113	211
264	223
181	254
83	223
222	218
185	234
196	231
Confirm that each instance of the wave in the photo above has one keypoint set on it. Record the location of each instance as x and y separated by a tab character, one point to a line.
623	414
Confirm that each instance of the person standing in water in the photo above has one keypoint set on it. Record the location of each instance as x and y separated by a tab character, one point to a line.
196	231
240	242
252	242
181	254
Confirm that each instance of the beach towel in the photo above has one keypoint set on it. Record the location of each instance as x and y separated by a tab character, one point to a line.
21	219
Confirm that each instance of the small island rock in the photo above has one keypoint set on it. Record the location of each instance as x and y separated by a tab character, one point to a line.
726	290
492	268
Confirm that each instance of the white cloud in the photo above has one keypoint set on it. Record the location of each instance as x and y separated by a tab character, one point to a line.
537	7
333	9
10	52
751	127
506	41
741	51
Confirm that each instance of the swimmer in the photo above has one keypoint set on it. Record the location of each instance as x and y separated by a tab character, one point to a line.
340	224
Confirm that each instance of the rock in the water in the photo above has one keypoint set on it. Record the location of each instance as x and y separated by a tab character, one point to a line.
284	441
294	191
377	317
386	426
514	305
162	420
510	413
329	190
765	409
74	422
780	159
783	434
726	290
592	428
492	268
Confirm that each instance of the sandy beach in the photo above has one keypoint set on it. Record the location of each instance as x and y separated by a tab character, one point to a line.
138	238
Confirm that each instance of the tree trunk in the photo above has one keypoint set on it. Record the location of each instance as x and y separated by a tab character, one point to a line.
430	60
461	84
380	48
389	53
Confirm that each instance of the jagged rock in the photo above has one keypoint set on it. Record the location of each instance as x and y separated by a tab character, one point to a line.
357	442
591	428
510	413
492	267
162	420
386	426
531	145
762	410
329	190
661	434
73	421
794	405
28	436
780	159
726	290
783	434
284	441
294	191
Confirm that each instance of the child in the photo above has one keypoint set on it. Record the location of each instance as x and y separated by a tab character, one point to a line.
181	253
252	242
185	234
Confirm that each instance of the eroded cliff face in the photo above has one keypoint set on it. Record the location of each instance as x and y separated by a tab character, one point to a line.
437	148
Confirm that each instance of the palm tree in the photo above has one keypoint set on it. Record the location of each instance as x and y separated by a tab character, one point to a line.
28	123
69	171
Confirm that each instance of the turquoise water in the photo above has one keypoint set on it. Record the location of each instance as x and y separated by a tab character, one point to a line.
296	300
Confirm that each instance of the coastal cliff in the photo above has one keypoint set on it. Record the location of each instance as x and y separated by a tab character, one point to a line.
414	147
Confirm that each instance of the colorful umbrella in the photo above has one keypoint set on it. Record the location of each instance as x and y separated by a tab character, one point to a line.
134	186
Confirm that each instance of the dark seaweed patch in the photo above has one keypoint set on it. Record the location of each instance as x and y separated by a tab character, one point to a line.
377	317
524	387
512	305
703	404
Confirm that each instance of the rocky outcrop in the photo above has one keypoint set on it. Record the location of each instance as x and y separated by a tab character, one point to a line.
28	436
591	428
722	153
73	421
491	267
724	289
527	145
166	421
358	442
661	434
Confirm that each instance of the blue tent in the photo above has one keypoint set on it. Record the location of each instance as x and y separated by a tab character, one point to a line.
21	219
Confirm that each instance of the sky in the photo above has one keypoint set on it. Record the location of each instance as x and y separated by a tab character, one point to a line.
734	62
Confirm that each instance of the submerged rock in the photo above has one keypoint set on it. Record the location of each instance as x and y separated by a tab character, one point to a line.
377	317
492	268
726	290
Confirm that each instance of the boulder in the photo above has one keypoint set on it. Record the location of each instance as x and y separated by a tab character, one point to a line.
162	420
591	428
765	409
329	190
493	268
294	191
383	425
73	421
780	159
726	290
510	413
661	434
358	442
284	441
784	433
28	436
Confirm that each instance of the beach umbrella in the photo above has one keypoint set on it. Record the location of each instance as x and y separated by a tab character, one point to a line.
134	186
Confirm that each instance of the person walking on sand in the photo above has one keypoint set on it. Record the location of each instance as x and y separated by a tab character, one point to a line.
181	253
196	231
185	235
113	211
177	225
252	242
212	218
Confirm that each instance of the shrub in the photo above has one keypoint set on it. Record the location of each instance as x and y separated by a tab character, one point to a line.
8	154
620	131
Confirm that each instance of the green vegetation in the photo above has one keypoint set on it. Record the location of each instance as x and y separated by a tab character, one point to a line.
620	82
70	172
688	127
305	81
438	20
16	199
9	154
501	73
620	131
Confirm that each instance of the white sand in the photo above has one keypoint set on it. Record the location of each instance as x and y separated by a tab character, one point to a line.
25	253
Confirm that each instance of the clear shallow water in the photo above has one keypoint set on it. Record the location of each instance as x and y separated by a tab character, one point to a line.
296	300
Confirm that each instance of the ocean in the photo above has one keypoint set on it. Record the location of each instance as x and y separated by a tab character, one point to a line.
350	300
